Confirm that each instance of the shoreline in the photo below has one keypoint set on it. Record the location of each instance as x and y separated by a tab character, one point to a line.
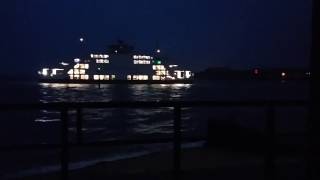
112	155
199	162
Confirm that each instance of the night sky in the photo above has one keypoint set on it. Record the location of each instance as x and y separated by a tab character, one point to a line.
196	33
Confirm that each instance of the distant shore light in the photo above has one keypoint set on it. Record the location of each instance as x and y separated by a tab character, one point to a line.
283	74
158	50
81	39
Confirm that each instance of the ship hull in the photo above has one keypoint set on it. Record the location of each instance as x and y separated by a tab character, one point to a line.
68	81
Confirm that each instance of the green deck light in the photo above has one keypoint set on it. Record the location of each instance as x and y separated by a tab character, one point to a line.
158	62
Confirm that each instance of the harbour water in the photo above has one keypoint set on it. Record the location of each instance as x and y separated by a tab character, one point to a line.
110	124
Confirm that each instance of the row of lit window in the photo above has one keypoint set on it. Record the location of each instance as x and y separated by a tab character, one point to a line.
81	66
142	57
99	55
137	77
104	77
76	71
161	73
141	62
183	74
102	61
158	67
82	77
156	77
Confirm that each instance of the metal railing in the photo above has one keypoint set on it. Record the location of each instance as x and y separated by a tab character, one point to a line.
177	139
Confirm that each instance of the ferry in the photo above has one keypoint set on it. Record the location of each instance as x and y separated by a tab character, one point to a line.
119	64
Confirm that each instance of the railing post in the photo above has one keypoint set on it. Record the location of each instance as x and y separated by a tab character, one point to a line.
177	143
79	126
64	145
270	144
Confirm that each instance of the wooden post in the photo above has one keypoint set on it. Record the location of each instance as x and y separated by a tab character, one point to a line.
64	145
270	144
177	143
313	124
79	126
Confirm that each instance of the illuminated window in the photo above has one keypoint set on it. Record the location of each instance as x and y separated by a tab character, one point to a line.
71	76
70	71
142	57
180	74
101	77
102	61
140	77
76	60
84	77
96	77
128	77
141	62
188	74
84	66
76	71
99	56
161	73
113	77
81	66
104	77
155	77
82	71
45	72
158	67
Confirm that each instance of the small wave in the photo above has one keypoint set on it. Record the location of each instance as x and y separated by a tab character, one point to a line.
47	120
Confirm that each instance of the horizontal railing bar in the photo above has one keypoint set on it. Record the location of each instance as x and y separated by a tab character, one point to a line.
115	143
147	104
96	144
